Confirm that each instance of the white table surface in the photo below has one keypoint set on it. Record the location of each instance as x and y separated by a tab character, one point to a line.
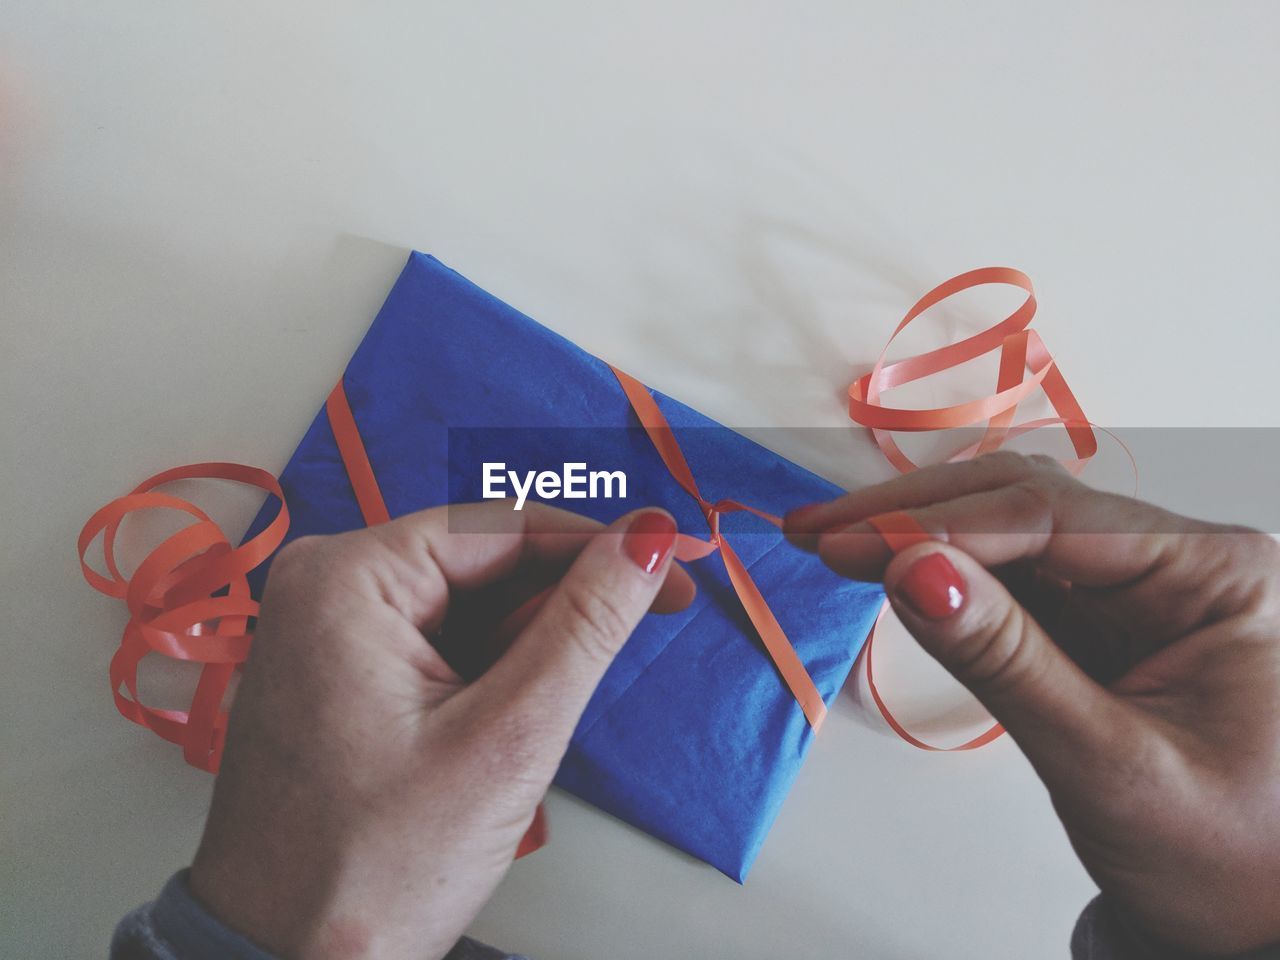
202	205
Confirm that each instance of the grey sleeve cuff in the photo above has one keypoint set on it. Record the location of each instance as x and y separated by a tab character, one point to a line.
1101	935
176	926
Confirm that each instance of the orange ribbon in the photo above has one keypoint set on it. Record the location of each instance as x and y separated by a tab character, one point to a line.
1025	365
779	648
355	458
900	530
188	599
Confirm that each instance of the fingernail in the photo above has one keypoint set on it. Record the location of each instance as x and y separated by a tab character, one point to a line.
649	540
932	587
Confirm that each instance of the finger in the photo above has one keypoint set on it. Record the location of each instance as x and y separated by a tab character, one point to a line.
482	624
1087	537
1067	724
542	684
493	601
421	557
943	481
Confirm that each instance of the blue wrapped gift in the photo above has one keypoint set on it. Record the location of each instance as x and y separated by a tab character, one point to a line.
692	736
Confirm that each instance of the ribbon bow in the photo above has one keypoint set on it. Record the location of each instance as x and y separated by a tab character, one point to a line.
781	652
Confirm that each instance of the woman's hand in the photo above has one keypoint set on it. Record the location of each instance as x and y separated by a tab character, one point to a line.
1133	654
370	798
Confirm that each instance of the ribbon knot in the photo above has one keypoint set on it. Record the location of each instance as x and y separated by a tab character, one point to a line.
777	646
711	513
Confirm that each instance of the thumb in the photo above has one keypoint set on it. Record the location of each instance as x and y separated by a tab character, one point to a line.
966	619
543	682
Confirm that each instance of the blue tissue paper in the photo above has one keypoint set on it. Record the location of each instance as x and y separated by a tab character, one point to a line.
692	735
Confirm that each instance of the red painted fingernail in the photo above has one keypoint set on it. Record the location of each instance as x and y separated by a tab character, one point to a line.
649	540
932	587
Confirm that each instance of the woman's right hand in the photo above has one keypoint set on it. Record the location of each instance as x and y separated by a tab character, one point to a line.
1133	654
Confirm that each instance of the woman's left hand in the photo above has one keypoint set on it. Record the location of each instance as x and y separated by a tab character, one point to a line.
370	798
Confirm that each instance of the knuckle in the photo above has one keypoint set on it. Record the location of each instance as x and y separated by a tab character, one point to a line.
297	551
999	654
1039	494
1251	560
296	563
320	556
597	624
1013	467
514	748
1269	563
1243	550
1044	462
1257	547
298	589
1006	463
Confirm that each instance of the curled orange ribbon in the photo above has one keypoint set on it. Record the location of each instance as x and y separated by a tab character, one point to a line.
1025	365
188	599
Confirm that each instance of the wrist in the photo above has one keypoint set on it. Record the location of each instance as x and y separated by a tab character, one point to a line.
284	914
309	911
1105	926
248	900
